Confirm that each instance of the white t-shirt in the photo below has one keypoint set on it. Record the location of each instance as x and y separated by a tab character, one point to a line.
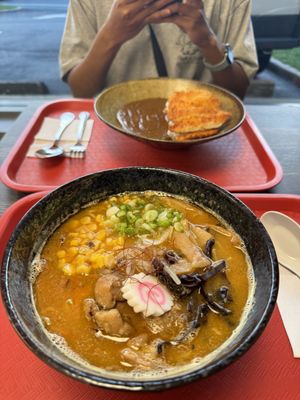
229	19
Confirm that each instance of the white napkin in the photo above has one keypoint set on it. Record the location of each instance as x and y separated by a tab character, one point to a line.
45	135
289	306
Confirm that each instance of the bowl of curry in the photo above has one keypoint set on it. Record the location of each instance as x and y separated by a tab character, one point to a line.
139	278
170	113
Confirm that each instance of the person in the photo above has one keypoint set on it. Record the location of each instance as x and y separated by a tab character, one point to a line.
110	41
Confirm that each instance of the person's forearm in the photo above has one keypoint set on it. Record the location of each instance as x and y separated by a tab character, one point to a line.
233	77
88	77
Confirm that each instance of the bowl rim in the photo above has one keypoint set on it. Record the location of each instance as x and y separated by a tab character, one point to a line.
171	143
137	385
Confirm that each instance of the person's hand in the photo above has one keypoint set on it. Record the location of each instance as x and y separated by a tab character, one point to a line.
128	17
190	17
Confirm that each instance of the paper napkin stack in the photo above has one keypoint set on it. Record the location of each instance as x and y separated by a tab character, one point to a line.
46	134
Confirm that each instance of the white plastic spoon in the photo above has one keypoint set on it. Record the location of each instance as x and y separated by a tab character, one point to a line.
285	235
55	150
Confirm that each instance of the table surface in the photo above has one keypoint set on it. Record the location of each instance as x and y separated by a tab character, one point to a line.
279	123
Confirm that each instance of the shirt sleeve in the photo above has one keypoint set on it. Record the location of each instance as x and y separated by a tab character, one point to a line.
79	32
241	37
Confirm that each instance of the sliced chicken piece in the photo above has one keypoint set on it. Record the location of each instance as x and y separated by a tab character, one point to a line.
190	251
110	322
183	266
202	236
108	290
138	341
145	358
134	359
90	308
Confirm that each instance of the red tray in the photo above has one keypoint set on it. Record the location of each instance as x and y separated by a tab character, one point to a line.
267	371
240	162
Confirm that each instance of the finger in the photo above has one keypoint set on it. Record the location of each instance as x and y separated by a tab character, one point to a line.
173	19
159	7
161	16
139	3
131	10
186	10
197	3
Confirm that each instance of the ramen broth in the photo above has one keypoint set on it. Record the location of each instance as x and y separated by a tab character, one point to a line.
88	261
145	118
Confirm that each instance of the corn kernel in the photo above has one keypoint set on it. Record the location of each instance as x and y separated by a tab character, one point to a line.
72	251
83	229
79	259
121	241
109	260
73	235
83	269
90	235
85	220
99	218
74	223
93	257
98	260
61	254
101	235
84	250
92	227
87	236
68	269
75	242
109	241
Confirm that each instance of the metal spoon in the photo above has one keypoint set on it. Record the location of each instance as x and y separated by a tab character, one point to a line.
54	150
285	235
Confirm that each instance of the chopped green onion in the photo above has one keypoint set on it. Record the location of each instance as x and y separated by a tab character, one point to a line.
121	213
126	218
178	227
140	203
139	222
164	223
162	216
149	206
150	215
121	228
130	231
112	211
147	227
115	219
131	217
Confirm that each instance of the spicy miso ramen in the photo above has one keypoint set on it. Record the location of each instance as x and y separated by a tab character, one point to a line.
143	281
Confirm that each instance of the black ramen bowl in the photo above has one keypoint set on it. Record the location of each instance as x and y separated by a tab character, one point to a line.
111	100
43	218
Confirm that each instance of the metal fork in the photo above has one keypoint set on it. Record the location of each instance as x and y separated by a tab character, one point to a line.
78	149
